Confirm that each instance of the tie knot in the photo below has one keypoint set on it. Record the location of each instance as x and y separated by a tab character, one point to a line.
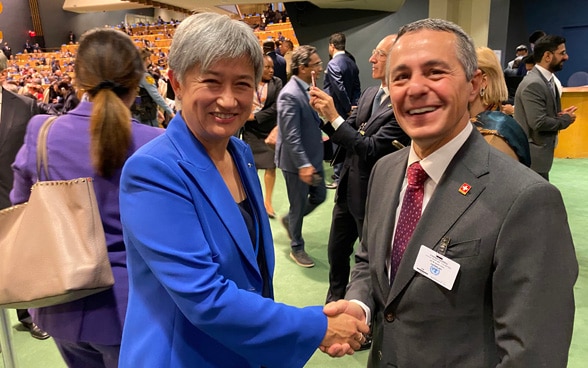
416	174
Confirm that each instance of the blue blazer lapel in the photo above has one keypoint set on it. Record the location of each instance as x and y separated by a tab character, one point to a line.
198	165
470	165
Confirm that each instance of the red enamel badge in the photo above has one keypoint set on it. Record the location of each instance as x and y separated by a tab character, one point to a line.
465	188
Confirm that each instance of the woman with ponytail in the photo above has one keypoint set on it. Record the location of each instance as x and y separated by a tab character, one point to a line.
92	140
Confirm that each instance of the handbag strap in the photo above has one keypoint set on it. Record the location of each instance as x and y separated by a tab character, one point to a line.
42	147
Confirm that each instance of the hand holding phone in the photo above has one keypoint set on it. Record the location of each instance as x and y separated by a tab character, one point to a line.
313	76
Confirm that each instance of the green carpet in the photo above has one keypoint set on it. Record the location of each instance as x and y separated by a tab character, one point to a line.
298	286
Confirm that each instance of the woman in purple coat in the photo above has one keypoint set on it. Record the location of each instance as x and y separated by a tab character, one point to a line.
93	140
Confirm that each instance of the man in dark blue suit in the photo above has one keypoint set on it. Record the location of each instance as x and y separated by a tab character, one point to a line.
299	148
341	83
269	48
363	138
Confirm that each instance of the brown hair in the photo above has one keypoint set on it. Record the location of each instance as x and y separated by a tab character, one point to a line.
108	67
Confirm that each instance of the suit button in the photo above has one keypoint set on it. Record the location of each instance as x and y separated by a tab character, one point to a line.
390	317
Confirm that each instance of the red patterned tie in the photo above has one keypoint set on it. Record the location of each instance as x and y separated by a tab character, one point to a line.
410	213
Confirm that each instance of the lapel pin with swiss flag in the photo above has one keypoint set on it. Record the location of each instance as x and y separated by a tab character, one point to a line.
465	188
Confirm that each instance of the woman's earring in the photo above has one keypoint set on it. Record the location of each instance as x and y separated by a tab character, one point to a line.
482	91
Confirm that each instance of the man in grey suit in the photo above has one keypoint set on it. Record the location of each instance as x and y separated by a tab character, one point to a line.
538	105
486	278
15	112
363	138
299	148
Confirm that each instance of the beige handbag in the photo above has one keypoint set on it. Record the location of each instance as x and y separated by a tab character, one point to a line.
52	248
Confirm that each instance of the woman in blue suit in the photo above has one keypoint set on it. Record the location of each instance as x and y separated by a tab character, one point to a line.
200	278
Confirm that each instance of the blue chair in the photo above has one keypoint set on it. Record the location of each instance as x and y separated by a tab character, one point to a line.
578	79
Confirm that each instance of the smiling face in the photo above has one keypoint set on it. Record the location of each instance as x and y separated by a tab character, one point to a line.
218	101
429	89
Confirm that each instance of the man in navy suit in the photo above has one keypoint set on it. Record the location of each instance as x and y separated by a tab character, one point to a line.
363	138
342	84
299	148
269	48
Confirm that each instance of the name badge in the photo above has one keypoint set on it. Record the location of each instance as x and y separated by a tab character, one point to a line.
436	267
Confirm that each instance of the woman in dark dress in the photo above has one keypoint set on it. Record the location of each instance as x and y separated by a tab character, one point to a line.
262	120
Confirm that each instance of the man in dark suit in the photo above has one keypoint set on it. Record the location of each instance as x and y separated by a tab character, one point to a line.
363	138
269	48
538	103
342	84
342	76
15	112
299	148
467	261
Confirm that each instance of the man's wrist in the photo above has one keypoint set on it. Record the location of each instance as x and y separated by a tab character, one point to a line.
337	122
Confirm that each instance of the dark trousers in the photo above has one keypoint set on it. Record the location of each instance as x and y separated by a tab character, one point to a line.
24	316
345	230
303	200
87	355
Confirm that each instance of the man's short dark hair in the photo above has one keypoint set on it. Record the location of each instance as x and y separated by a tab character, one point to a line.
338	41
535	36
546	43
268	46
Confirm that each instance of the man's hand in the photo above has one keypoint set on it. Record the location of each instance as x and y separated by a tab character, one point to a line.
305	174
323	104
337	342
570	111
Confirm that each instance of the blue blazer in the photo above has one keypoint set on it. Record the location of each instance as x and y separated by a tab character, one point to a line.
342	83
195	295
299	141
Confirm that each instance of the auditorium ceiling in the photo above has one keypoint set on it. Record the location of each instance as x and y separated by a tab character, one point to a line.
84	6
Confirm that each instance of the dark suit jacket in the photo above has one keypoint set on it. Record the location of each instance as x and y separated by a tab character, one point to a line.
512	304
16	112
342	83
265	119
362	140
279	66
537	113
299	139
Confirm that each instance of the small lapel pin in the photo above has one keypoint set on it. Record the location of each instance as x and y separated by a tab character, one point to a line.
249	164
465	188
389	106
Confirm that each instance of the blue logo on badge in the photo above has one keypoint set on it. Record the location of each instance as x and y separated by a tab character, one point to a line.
435	270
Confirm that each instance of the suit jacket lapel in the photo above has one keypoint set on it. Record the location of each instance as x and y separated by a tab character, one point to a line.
7	116
386	215
446	206
206	177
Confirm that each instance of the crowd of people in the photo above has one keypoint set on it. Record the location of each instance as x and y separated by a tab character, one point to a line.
465	252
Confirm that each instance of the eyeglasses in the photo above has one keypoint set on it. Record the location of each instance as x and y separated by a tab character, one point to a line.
379	52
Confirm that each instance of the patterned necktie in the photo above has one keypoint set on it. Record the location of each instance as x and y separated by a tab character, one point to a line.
377	100
552	87
410	213
555	93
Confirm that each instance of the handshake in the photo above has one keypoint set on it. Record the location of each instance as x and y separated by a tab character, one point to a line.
346	328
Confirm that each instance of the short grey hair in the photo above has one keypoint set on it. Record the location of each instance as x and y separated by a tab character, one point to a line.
301	56
206	38
466	52
3	62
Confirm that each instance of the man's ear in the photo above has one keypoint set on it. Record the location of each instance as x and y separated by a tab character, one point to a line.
475	84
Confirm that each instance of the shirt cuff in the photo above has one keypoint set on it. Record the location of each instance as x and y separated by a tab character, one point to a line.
366	310
337	122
